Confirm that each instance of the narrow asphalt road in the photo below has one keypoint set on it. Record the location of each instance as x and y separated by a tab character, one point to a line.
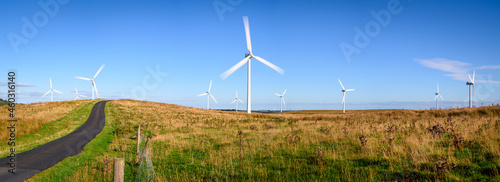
38	159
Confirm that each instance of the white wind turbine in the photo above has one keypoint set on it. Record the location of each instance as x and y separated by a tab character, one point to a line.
78	95
282	100
51	91
471	83
94	86
236	100
247	58
438	95
208	95
343	92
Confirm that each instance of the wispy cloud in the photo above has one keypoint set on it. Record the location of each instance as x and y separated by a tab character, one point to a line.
456	69
489	67
18	84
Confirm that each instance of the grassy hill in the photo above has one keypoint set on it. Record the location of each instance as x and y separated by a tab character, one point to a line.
3	102
190	144
40	123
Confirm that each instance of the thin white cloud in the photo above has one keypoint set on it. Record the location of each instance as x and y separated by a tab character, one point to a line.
456	69
489	67
18	84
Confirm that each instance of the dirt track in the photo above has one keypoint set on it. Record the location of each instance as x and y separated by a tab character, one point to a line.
38	159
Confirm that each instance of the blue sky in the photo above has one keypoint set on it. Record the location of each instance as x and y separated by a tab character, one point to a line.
395	62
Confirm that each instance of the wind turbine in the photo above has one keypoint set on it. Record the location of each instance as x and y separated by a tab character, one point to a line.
282	100
78	95
51	91
438	95
236	100
94	86
471	83
343	91
208	95
247	58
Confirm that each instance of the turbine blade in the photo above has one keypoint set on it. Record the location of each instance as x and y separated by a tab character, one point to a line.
202	94
284	104
210	86
435	98
76	91
82	95
82	78
57	91
98	71
241	101
95	88
234	101
213	97
271	65
234	68
441	96
76	97
277	94
284	93
473	76
348	90
341	84
50	79
247	34
46	93
470	79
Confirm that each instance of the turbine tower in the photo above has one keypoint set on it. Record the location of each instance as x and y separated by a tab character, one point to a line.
438	95
94	86
78	95
247	58
471	83
208	95
237	100
282	100
51	91
343	92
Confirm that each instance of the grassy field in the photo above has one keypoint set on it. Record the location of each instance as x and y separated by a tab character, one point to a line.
191	144
40	123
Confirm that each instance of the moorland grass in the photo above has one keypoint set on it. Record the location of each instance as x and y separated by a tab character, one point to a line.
190	144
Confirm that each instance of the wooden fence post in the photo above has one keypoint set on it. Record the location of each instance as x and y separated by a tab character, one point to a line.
138	139
119	168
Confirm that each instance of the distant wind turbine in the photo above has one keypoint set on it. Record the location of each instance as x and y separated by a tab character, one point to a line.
51	91
438	95
208	95
247	58
471	83
343	92
94	86
282	100
78	95
236	100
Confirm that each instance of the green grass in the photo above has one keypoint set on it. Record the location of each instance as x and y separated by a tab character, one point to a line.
53	130
200	145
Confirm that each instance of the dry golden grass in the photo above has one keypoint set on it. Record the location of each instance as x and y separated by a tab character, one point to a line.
190	144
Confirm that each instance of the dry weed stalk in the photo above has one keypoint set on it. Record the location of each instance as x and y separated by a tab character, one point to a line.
268	126
253	127
319	157
391	130
345	131
442	166
363	140
240	136
325	130
437	130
